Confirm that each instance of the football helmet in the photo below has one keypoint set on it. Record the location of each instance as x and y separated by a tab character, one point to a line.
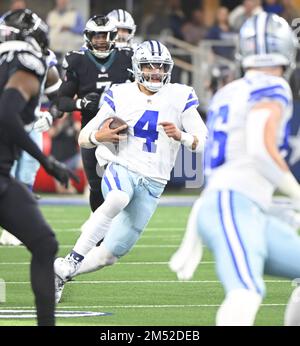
123	20
100	24
25	25
267	40
153	55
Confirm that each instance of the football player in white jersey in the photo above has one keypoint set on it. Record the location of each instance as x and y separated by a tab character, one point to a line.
248	125
160	117
125	25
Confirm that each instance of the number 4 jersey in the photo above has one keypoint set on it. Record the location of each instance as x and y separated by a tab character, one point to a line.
148	150
227	162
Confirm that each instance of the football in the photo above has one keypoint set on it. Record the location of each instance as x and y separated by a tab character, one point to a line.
117	122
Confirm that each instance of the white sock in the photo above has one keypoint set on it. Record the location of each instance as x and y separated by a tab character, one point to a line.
239	308
96	259
292	311
99	222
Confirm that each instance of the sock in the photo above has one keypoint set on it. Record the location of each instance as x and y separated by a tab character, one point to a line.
95	228
239	308
76	257
292	312
96	259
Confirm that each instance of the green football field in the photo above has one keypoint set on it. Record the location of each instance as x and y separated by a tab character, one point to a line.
139	290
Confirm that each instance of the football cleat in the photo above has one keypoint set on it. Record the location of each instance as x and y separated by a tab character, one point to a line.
64	269
9	239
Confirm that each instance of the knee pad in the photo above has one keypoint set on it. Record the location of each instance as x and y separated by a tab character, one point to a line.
239	308
115	201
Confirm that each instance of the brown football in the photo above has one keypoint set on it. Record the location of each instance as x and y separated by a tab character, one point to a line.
117	122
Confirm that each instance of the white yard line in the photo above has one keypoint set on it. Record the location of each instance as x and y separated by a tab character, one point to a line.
101	282
118	263
156	306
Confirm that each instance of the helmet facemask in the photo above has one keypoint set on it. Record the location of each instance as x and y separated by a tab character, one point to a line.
105	42
24	25
152	65
125	23
155	76
102	49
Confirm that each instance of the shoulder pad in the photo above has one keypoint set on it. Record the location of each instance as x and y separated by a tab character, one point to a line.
32	63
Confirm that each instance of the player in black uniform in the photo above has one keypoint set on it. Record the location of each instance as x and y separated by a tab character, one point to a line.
89	73
22	72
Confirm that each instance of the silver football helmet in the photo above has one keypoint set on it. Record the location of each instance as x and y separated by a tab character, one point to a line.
100	24
123	20
153	55
267	40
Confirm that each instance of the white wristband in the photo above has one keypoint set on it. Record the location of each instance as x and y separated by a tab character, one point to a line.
92	138
78	103
187	139
289	186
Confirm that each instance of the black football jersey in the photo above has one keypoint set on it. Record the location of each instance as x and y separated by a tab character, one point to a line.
90	74
12	60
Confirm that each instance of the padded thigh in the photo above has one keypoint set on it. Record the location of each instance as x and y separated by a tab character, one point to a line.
283	249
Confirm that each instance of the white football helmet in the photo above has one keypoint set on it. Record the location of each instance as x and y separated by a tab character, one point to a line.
152	53
123	20
267	40
96	25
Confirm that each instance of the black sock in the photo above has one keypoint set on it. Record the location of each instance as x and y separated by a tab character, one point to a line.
96	199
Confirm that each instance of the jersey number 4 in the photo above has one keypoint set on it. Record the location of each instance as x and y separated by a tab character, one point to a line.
146	128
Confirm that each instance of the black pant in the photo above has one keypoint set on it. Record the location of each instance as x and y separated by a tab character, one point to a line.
90	167
20	215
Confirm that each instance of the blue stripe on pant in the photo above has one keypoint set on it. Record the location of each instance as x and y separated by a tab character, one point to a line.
236	237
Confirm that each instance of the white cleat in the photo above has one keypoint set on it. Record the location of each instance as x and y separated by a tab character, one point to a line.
9	239
64	269
59	287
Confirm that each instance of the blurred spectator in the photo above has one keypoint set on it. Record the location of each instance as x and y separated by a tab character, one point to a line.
64	134
66	28
176	18
17	5
273	6
290	12
241	13
156	22
193	30
222	31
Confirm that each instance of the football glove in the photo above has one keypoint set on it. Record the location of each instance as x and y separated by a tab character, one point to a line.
59	171
90	102
44	122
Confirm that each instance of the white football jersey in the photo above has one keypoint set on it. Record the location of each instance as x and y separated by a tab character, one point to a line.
227	163
148	150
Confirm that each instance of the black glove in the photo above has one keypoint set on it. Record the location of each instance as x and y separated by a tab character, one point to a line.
59	171
90	102
54	111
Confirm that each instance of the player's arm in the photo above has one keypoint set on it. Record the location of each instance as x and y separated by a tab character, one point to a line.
262	127
45	118
195	131
97	130
69	89
20	88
